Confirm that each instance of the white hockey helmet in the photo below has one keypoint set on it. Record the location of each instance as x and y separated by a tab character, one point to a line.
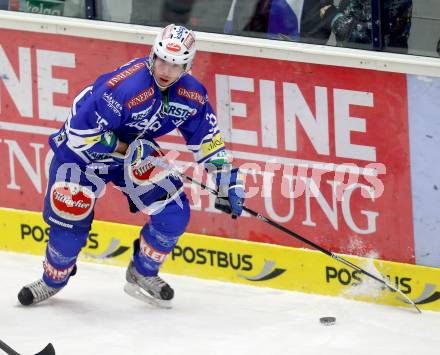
175	44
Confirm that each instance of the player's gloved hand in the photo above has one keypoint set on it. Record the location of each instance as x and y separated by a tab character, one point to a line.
230	189
139	151
136	153
141	158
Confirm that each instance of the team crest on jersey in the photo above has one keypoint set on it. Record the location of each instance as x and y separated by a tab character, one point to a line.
71	201
121	76
141	97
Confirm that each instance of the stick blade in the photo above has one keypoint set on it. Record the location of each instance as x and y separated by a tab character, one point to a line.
48	350
405	299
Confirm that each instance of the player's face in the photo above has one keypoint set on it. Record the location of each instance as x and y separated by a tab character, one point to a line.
166	73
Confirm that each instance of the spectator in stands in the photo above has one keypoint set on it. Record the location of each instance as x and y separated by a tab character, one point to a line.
352	26
176	11
289	19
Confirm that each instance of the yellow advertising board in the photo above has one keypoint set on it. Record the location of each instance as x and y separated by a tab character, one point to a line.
237	261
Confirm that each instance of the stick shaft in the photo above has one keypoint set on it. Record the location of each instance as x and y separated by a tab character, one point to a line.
309	242
6	348
159	162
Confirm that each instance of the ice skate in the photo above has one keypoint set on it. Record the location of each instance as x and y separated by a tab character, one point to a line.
149	289
36	292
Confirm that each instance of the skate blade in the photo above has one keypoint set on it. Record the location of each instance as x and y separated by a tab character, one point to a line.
136	292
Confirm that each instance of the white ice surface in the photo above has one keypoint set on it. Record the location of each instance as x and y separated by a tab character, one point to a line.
94	316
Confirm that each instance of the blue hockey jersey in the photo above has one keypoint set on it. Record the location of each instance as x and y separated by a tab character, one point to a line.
127	104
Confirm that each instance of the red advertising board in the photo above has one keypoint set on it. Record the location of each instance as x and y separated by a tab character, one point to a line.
326	148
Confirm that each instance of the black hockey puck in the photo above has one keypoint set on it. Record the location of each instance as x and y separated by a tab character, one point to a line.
25	296
327	320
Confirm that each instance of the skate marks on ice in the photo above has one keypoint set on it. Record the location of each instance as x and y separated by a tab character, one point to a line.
93	315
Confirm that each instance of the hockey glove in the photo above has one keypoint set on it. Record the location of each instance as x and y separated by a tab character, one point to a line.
230	198
139	162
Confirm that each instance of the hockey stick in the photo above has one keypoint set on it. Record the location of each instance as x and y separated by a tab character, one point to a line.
310	243
229	24
48	350
159	162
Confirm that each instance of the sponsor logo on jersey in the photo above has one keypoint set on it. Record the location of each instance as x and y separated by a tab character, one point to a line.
71	201
173	47
145	125
147	250
62	224
121	76
215	144
95	156
145	172
180	112
141	97
54	273
142	114
114	105
153	124
191	94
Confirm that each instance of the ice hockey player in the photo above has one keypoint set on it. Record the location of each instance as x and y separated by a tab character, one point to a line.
108	138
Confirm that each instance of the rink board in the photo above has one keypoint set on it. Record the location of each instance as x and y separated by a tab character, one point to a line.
318	132
237	261
286	110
